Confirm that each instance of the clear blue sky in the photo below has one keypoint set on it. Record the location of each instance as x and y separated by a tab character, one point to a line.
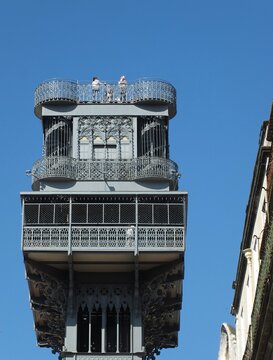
219	56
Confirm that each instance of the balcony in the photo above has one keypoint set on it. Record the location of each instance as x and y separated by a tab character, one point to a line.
95	238
97	222
138	92
101	170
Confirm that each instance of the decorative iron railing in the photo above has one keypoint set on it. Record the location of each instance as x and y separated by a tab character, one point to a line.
99	357
74	169
142	90
103	238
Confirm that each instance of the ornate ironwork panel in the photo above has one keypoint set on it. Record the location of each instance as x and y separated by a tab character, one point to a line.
103	357
46	237
73	169
48	304
161	296
97	237
76	92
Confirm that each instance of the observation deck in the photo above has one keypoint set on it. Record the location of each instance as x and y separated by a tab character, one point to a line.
142	91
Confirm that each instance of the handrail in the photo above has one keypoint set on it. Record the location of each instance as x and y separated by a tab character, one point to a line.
143	90
150	238
75	169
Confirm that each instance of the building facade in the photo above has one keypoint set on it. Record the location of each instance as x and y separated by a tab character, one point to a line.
104	226
252	337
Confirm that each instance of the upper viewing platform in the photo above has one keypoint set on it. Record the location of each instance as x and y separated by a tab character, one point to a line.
142	91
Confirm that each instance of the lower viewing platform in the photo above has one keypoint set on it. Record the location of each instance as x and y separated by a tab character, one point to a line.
104	222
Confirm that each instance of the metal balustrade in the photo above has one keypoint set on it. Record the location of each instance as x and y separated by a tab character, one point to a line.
98	357
87	238
74	169
143	90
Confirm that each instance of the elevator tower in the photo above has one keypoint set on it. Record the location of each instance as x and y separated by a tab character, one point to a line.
104	225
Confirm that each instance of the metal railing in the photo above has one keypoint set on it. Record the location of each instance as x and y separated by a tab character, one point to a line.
142	90
103	238
74	169
119	356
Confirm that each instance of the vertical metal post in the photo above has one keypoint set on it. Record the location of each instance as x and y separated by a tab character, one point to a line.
90	331
75	142
22	214
103	329
136	228
118	330
69	227
131	330
70	263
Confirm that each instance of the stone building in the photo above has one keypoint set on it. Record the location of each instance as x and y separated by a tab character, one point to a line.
252	337
104	226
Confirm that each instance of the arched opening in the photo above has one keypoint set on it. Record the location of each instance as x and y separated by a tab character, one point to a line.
57	136
83	330
153	137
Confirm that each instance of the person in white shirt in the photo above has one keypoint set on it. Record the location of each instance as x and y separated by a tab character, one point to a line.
95	88
122	86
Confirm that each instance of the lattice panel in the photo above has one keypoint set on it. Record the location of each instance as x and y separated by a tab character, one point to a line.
111	213
106	357
162	237
31	213
45	237
102	237
160	214
61	213
79	213
145	214
127	213
107	213
46	214
95	213
176	214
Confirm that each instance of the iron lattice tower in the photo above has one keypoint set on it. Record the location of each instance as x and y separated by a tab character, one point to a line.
104	225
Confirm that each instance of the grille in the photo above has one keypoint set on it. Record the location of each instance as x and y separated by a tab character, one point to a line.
104	213
95	213
61	213
79	213
176	214
31	213
145	214
160	214
127	214
46	214
111	213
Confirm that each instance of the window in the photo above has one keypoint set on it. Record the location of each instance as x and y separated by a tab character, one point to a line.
89	329
124	329
84	148
96	324
111	330
83	330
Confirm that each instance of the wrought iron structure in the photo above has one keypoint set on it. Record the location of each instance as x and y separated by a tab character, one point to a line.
94	170
104	227
102	238
143	90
